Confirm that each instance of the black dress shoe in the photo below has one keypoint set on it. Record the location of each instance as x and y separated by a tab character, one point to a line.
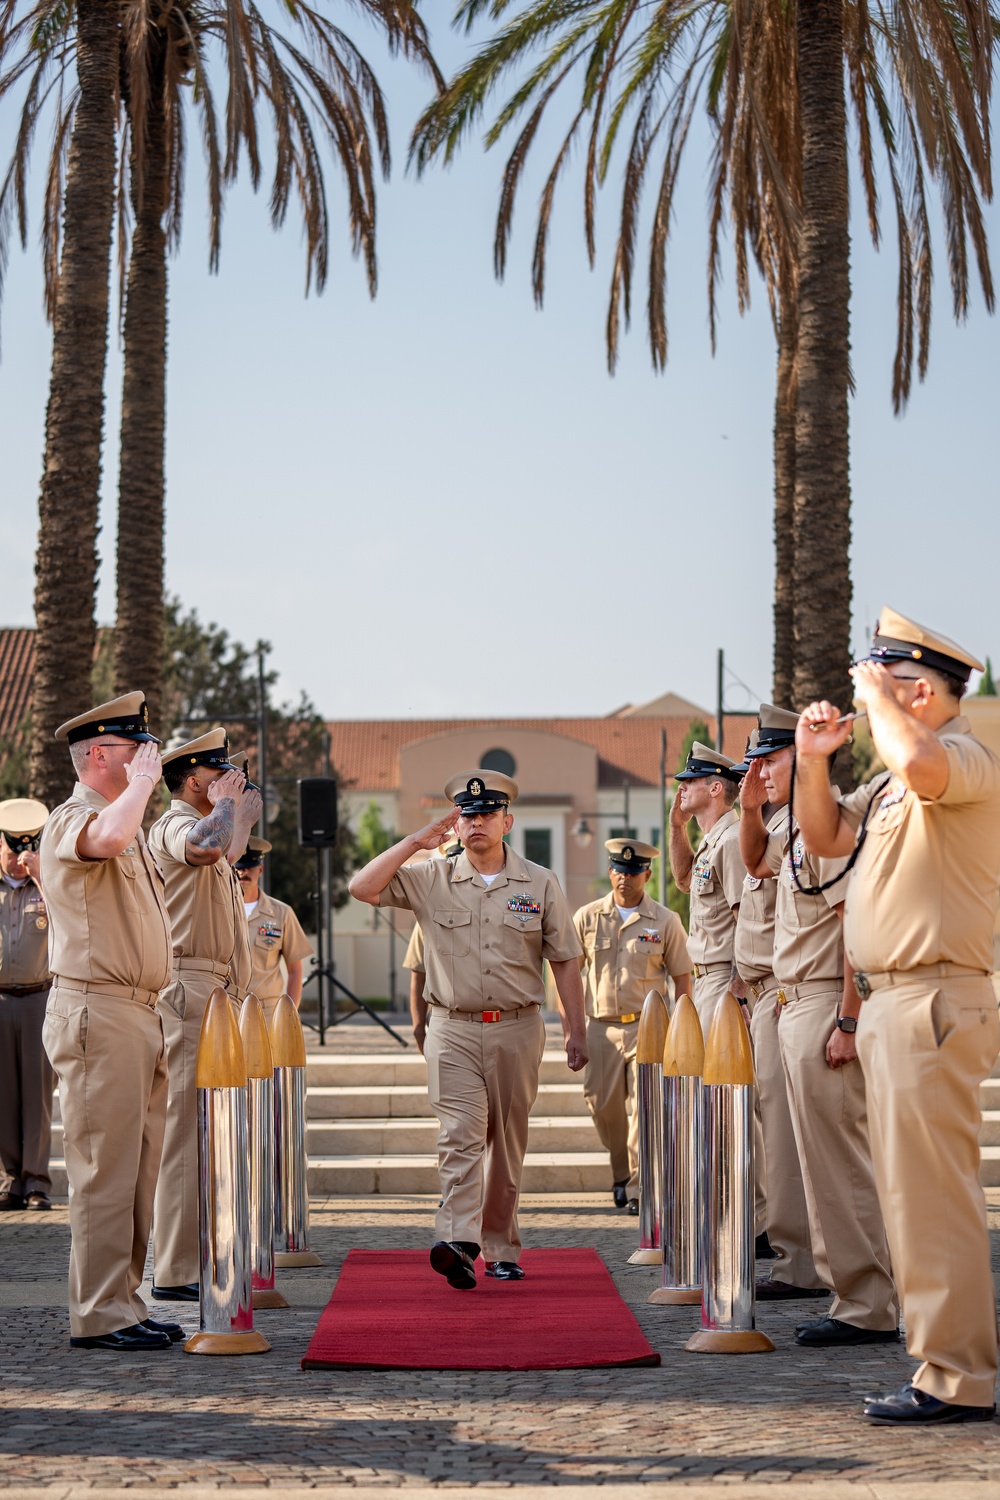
134	1340
189	1293
827	1333
38	1202
505	1270
450	1260
174	1331
909	1405
780	1291
762	1247
620	1194
633	1208
11	1203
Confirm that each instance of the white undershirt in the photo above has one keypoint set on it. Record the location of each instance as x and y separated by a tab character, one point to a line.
625	911
251	906
489	879
16	884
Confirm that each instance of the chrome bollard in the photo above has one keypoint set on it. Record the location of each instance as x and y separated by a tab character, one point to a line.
683	1062
727	1303
649	1075
291	1166
223	1189
260	1132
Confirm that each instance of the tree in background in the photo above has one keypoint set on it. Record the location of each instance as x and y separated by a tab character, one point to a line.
372	836
987	687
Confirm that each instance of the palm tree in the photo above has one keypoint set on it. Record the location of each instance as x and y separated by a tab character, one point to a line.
317	86
772	75
77	300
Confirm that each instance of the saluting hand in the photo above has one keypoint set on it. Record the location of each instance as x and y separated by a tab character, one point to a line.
252	804
820	732
434	835
229	784
753	792
31	862
145	762
678	817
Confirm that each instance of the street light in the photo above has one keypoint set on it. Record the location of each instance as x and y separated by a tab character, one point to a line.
582	831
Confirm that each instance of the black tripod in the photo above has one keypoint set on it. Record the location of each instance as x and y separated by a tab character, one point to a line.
322	970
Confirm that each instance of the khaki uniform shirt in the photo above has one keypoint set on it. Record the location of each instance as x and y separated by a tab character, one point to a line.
108	919
754	945
205	901
622	960
274	934
484	944
415	951
716	887
24	935
925	887
808	932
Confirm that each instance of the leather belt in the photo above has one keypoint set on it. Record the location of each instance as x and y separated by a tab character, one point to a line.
115	991
866	983
487	1017
698	970
24	989
203	966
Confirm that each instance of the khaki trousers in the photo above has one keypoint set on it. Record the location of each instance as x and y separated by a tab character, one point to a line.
26	1084
925	1046
708	991
787	1216
109	1058
175	1216
830	1120
482	1080
609	1081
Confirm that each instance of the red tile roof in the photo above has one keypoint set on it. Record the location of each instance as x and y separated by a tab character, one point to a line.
366	751
17	666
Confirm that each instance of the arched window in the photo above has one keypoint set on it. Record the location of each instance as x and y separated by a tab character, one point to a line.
499	760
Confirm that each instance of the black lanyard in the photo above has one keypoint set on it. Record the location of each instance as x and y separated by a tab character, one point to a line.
817	890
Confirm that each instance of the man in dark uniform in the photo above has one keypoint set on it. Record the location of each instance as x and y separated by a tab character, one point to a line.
489	920
26	1076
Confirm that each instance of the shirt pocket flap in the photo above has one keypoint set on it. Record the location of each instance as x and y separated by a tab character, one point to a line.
453	918
523	923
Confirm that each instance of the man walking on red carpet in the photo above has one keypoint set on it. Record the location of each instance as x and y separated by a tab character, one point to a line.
489	919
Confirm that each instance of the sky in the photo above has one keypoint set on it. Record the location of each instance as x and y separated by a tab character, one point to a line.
438	503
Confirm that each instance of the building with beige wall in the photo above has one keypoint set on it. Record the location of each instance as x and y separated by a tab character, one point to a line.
581	781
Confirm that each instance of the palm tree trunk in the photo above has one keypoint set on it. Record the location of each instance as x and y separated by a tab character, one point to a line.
66	563
784	507
139	629
822	594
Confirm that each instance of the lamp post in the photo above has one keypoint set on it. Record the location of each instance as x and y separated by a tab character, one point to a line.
582	831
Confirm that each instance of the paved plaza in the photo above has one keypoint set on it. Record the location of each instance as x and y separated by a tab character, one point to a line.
74	1420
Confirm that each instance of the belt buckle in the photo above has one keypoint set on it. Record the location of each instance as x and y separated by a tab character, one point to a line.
489	1015
782	998
627	1020
862	985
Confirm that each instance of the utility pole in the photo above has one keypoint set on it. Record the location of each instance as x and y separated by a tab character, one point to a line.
719	710
663	817
262	752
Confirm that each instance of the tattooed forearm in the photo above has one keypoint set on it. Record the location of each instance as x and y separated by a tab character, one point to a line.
216	830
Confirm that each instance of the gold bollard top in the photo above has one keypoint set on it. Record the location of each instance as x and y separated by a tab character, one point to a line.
220	1063
256	1045
652	1029
684	1048
288	1045
728	1058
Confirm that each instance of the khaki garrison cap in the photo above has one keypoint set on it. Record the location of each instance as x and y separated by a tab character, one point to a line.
254	853
776	732
704	761
898	639
127	717
21	821
211	749
629	855
480	791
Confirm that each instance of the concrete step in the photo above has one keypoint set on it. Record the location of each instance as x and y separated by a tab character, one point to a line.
544	1172
989	1094
989	1131
381	1069
409	1101
343	1138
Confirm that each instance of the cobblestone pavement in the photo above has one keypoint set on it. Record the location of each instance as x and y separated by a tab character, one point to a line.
73	1419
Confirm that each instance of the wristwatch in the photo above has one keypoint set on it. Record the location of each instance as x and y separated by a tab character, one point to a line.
848	1024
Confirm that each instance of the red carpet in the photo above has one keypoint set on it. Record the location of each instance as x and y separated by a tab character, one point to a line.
390	1311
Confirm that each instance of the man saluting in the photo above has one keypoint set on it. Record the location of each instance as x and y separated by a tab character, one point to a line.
489	919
